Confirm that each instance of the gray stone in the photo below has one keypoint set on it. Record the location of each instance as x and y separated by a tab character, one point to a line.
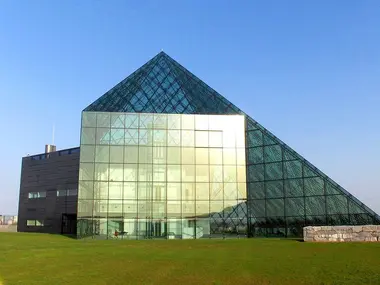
366	233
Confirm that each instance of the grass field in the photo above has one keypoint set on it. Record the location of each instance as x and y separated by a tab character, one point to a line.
49	259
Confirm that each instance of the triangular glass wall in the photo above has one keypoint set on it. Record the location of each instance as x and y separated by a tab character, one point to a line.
285	191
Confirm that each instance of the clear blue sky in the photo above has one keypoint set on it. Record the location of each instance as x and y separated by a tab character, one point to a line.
309	71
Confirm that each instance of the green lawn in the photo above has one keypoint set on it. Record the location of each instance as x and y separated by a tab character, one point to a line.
49	259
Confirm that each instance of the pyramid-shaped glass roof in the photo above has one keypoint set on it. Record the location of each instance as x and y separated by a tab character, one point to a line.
284	189
162	85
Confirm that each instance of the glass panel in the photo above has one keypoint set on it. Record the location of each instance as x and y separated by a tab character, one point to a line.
103	136
337	204
229	138
313	186
315	205
174	155
188	122
275	207
215	139
131	154
216	123
201	155
216	191
216	173
230	191
145	154
159	154
116	172
118	121
188	173
174	173
174	121
146	121
188	191
160	121
131	137
216	155
102	153
86	171
294	187
159	137
174	191
274	189
229	156
188	155
187	137
115	190
229	173
174	138
131	121
145	172
202	209
130	209
88	136
101	171
201	138
130	172
116	154
202	191
130	190
88	119
241	174
159	192
159	172
202	173
201	122
240	156
117	136
145	137
87	153
86	190
101	190
103	120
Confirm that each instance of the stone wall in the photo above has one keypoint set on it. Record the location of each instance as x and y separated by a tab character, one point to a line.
342	233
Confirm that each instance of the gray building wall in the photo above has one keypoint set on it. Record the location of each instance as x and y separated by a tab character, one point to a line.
48	172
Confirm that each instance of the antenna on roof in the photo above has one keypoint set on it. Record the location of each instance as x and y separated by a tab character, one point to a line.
53	134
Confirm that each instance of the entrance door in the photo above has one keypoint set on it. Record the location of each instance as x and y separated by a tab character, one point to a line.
69	224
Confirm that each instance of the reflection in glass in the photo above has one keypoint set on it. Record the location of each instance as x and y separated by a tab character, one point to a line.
158	176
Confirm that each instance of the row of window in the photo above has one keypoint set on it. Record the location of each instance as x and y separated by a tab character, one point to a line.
162	155
68	192
171	121
35	223
162	137
60	193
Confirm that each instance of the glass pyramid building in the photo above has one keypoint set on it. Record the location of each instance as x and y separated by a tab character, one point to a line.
274	190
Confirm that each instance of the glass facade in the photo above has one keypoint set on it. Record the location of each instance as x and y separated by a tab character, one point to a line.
284	191
168	176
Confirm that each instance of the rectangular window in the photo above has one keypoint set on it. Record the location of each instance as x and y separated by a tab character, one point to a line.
35	195
67	192
35	223
72	192
61	193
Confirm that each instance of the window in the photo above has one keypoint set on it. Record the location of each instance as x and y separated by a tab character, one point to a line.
72	192
35	223
35	195
61	193
67	192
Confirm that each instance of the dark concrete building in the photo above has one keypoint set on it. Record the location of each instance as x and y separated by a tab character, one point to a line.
49	192
163	155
